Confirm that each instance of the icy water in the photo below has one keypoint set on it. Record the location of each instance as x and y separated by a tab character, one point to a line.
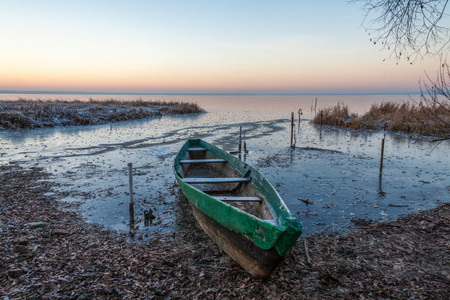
336	169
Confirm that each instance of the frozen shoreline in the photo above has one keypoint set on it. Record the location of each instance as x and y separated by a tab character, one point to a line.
335	168
24	113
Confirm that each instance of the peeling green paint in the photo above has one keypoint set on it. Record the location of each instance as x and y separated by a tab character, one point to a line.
262	233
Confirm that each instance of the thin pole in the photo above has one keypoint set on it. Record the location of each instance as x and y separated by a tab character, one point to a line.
382	149
300	112
382	155
130	182
240	139
315	106
321	116
292	129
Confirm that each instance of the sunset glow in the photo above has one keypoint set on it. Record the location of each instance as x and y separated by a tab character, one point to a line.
196	47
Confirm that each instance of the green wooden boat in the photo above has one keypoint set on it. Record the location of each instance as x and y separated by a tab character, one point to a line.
236	206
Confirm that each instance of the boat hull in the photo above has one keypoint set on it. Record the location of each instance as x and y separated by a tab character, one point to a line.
258	262
250	222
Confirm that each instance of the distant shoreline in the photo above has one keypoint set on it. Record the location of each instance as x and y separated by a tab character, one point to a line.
87	93
38	113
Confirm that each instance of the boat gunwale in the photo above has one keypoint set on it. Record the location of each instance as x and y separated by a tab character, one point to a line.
252	234
264	233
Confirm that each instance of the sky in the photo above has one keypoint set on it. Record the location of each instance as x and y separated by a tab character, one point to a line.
196	47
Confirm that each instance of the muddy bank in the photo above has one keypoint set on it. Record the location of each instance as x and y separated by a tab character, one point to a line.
26	113
63	257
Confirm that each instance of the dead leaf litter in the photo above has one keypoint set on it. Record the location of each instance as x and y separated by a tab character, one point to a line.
48	251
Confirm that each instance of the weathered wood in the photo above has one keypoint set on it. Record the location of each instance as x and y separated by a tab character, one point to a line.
202	161
256	234
240	139
258	262
382	149
292	129
397	205
382	155
308	259
321	117
196	149
238	188
233	198
306	201
215	180
315	106
37	224
131	206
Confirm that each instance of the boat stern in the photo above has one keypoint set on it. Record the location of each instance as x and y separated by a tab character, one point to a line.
291	233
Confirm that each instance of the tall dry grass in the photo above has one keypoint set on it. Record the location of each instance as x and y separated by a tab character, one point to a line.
340	115
411	118
405	117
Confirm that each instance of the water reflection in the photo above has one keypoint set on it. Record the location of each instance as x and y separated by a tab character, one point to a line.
336	169
380	186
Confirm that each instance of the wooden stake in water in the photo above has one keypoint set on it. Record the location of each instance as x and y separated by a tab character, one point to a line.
146	218
380	186
240	139
300	112
292	129
382	154
382	149
315	106
130	182
321	116
320	131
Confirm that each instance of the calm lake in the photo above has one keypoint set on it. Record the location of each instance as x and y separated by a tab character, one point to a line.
336	169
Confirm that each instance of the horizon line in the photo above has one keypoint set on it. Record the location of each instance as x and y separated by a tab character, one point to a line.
53	92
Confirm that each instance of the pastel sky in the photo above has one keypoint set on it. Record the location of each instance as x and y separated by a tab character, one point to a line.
242	46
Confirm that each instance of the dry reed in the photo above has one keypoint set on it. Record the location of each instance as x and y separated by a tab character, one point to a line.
340	115
32	113
411	118
405	117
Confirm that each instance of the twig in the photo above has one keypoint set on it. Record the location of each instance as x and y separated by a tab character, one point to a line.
217	267
437	144
306	201
308	259
397	205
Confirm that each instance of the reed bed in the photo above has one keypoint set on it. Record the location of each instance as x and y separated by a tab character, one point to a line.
340	115
33	113
430	119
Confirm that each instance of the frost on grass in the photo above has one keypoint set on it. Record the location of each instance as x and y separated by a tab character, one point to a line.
26	113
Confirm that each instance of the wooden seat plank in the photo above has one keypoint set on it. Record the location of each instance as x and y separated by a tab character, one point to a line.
234	198
196	149
194	180
202	161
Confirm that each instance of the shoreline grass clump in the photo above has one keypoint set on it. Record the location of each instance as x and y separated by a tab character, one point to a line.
431	119
410	118
341	116
38	113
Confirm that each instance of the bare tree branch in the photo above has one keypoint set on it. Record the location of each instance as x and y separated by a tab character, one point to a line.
435	102
412	29
407	28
